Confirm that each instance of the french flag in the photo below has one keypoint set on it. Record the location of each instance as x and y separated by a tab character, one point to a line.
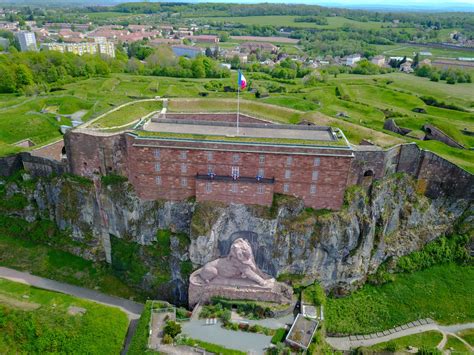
242	81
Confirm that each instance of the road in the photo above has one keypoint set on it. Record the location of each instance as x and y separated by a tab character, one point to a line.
132	309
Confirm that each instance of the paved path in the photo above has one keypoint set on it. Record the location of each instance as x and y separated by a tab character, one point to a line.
347	343
254	343
132	309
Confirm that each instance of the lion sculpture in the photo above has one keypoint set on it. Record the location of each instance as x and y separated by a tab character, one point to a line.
239	265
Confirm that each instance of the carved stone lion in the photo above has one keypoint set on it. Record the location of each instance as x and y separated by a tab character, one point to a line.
238	265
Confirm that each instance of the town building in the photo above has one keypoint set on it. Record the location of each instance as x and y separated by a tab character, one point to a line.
204	38
187	51
250	47
4	43
378	60
99	46
27	41
352	59
204	156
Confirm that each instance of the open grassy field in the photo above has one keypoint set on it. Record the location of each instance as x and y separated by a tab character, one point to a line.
128	114
39	321
289	21
421	294
409	50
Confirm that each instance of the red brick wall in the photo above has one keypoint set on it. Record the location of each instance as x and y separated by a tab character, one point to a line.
326	191
234	192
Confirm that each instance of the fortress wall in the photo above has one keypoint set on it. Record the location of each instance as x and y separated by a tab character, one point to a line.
10	164
246	193
437	176
40	166
90	154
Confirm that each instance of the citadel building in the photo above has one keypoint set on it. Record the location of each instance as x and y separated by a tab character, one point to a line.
202	156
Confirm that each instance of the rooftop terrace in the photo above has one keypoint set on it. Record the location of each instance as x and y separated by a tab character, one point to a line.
263	132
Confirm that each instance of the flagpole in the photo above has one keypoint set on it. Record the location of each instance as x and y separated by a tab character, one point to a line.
238	102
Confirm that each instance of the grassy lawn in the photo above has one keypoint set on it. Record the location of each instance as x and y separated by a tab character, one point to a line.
38	321
401	50
468	336
457	346
42	260
427	340
251	107
422	294
128	114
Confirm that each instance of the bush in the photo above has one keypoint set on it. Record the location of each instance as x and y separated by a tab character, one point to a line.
314	294
442	251
112	179
171	329
167	339
279	336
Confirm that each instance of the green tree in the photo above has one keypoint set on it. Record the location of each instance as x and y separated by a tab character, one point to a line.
7	82
24	77
198	69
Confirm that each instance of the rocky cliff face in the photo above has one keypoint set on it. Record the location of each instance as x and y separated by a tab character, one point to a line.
338	248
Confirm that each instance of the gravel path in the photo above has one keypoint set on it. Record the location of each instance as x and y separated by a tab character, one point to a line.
351	342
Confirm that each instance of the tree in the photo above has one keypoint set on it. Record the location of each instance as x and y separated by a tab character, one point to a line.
7	84
24	77
235	62
209	52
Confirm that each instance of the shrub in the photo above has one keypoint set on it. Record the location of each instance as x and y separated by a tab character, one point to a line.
441	251
112	179
167	339
279	336
172	329
314	294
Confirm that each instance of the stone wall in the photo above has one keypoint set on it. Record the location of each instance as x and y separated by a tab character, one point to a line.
35	166
436	176
96	153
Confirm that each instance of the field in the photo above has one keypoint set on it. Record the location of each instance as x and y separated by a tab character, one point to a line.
400	50
289	21
426	340
127	114
365	100
39	321
422	294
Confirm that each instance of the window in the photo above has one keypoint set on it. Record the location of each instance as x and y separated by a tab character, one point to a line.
157	154
287	174
183	154
289	160
208	187
312	189
157	167
235	172
317	161
210	169
184	168
260	189
184	182
210	156
235	158
286	187
158	180
261	172
235	188
315	175
261	159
